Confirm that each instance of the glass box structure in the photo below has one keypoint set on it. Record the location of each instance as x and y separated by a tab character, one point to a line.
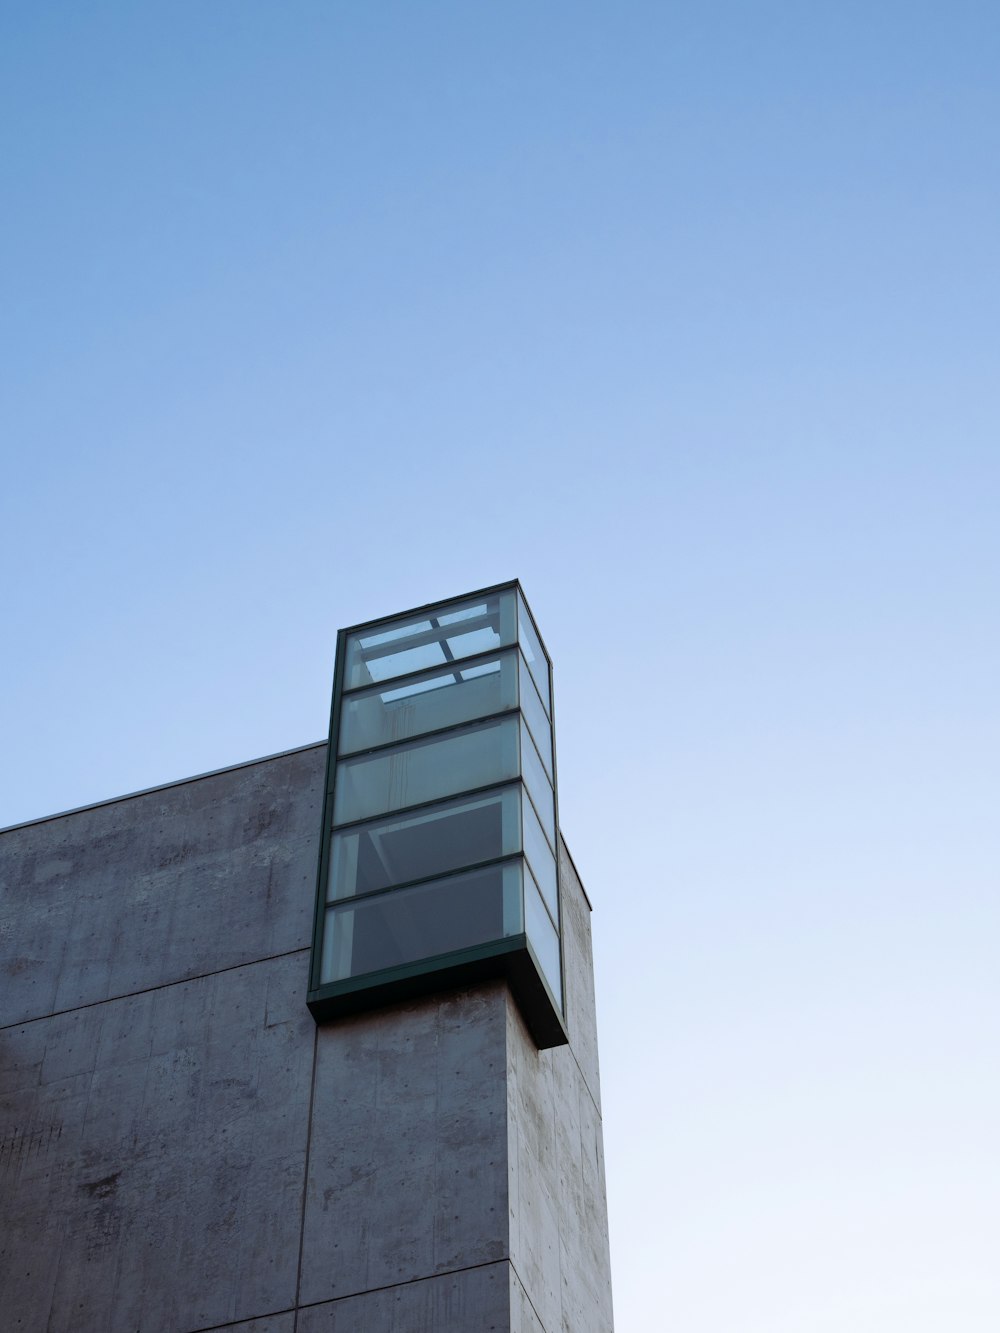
439	861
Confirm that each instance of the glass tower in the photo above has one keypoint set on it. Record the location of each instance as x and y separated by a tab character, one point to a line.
438	863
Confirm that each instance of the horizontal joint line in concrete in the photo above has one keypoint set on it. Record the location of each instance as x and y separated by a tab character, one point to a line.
527	1295
145	990
351	1295
238	1323
407	1282
583	1080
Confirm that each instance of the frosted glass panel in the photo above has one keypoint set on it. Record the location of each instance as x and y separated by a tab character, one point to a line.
426	770
534	715
442	698
538	785
543	937
534	656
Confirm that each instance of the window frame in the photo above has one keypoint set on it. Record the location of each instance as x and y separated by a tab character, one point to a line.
512	957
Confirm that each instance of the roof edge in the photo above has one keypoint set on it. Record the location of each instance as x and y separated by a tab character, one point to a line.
162	786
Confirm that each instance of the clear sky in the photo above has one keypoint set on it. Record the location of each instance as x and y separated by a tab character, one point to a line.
684	313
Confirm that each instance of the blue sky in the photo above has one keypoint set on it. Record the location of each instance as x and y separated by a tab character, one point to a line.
684	314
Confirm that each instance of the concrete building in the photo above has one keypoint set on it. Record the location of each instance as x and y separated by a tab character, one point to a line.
229	1100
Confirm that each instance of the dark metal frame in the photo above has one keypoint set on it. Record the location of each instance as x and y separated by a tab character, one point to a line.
512	958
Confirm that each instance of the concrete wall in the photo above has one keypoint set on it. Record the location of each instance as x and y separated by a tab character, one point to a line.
558	1214
182	1149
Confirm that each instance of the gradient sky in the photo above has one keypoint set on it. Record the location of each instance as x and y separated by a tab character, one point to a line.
686	314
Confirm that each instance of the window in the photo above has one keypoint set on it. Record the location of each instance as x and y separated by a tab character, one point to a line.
439	824
401	849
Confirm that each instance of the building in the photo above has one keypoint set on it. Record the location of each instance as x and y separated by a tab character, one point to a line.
240	1095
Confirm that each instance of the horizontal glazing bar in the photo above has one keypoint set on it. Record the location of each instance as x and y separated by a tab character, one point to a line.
431	701
392	746
426	879
542	937
442	606
540	858
534	654
427	769
417	806
445	635
438	917
405	677
534	715
431	841
538	785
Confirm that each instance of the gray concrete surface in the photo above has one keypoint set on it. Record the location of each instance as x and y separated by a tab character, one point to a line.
555	1159
182	1150
407	1168
164	1190
476	1300
159	887
274	1323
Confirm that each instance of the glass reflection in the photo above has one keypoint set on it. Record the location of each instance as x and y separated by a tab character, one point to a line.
540	858
428	842
441	636
426	770
538	786
535	657
392	929
430	702
543	937
534	715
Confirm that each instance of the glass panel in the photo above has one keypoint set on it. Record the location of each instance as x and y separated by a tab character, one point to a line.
426	770
534	715
513	897
427	703
533	654
427	842
412	643
540	858
538	785
396	928
544	939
